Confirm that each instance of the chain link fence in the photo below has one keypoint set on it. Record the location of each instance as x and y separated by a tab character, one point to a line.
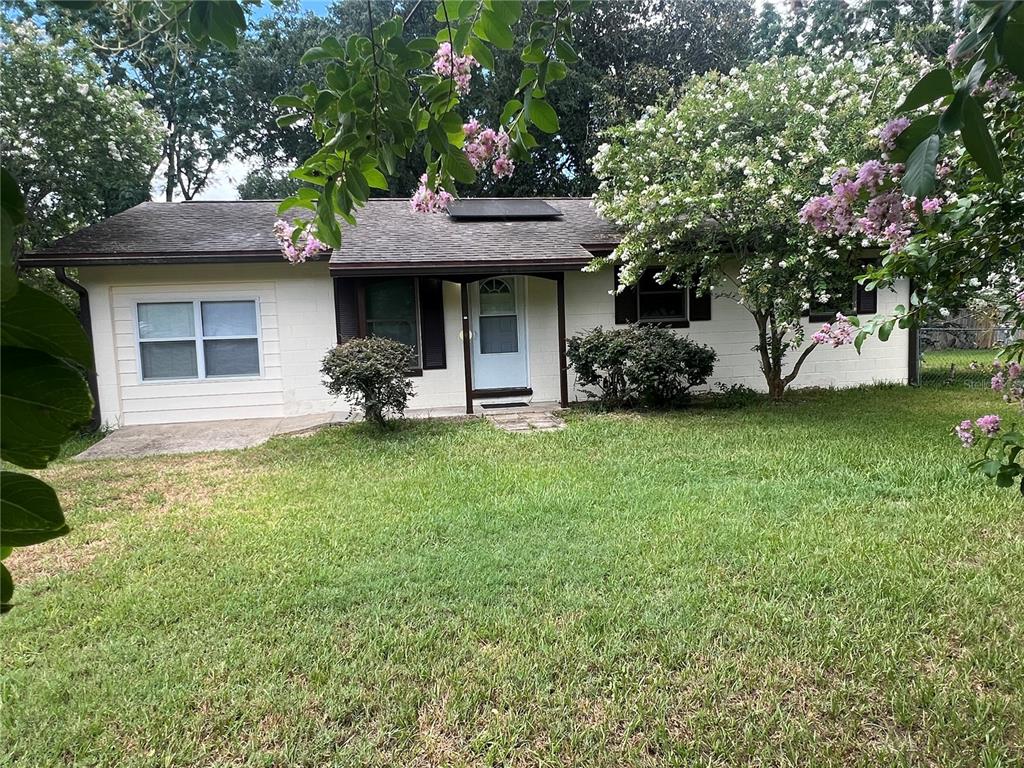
959	353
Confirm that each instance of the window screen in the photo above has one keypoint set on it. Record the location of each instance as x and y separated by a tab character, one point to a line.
198	339
391	311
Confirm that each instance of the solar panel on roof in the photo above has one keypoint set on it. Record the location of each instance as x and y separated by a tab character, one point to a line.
501	209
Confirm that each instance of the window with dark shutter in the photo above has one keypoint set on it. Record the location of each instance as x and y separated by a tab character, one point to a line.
346	311
700	305
625	302
867	301
432	323
664	304
407	309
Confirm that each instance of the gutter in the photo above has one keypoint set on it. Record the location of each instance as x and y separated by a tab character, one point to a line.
85	318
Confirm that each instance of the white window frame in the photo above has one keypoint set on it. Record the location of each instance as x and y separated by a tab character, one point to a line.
198	338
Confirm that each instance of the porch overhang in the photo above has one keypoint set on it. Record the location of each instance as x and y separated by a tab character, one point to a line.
458	271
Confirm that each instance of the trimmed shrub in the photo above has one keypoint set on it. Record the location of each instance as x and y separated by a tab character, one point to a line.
639	365
371	374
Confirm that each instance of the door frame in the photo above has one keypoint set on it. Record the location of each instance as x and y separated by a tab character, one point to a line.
519	283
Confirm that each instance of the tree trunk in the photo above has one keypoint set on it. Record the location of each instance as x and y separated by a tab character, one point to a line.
172	171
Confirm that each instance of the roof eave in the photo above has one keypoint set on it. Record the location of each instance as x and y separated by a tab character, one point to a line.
96	259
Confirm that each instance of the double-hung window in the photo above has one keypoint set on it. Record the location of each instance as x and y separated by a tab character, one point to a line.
658	302
392	312
198	339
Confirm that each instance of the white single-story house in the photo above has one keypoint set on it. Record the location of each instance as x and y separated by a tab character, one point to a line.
195	315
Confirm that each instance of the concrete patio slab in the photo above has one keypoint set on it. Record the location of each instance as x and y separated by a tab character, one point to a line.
196	437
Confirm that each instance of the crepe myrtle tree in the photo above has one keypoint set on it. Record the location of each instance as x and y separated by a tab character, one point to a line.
381	91
708	188
944	198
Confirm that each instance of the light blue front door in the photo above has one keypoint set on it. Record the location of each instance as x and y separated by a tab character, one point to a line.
499	333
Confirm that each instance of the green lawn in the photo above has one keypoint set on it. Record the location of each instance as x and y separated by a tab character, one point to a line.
952	367
819	583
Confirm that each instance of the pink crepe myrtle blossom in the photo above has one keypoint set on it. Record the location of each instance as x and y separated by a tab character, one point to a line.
447	63
998	383
297	249
989	425
965	431
838	333
486	146
931	205
890	131
426	200
1013	371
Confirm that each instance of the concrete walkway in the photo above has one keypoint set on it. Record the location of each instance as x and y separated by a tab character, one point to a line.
198	436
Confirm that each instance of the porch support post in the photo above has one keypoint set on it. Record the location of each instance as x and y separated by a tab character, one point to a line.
467	350
563	376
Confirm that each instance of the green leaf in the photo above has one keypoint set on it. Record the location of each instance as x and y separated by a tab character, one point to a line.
885	330
35	320
289	102
565	52
226	20
375	178
43	401
512	106
459	167
913	135
29	511
535	52
6	589
932	86
527	77
494	30
953	115
12	214
478	49
919	176
1011	46
979	142
437	137
316	53
543	116
858	340
508	11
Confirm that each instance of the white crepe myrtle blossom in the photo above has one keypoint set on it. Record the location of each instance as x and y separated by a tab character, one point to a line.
711	185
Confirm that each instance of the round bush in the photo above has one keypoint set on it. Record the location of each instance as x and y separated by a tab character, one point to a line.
371	374
639	365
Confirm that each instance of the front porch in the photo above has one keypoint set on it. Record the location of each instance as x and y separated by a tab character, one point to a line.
485	338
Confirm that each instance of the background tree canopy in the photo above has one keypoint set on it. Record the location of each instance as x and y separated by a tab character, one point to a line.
630	53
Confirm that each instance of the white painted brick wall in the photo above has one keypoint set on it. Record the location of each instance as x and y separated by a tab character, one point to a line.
298	327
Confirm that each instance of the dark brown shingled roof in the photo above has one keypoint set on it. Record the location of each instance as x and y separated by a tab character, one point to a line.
389	237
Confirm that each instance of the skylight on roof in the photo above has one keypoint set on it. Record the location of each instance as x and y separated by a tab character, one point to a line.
482	208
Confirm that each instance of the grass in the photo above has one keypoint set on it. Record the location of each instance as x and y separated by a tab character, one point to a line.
952	367
817	583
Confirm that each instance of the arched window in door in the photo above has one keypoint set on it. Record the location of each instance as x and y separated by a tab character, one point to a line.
499	327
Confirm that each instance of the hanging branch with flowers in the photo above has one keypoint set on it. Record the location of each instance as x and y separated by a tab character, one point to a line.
381	91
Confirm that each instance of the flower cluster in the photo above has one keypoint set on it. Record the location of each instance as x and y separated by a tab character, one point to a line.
887	215
447	63
485	145
1007	379
297	249
984	426
838	333
425	200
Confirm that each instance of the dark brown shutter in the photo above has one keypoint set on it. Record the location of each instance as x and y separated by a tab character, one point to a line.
346	312
625	302
867	301
432	322
700	305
